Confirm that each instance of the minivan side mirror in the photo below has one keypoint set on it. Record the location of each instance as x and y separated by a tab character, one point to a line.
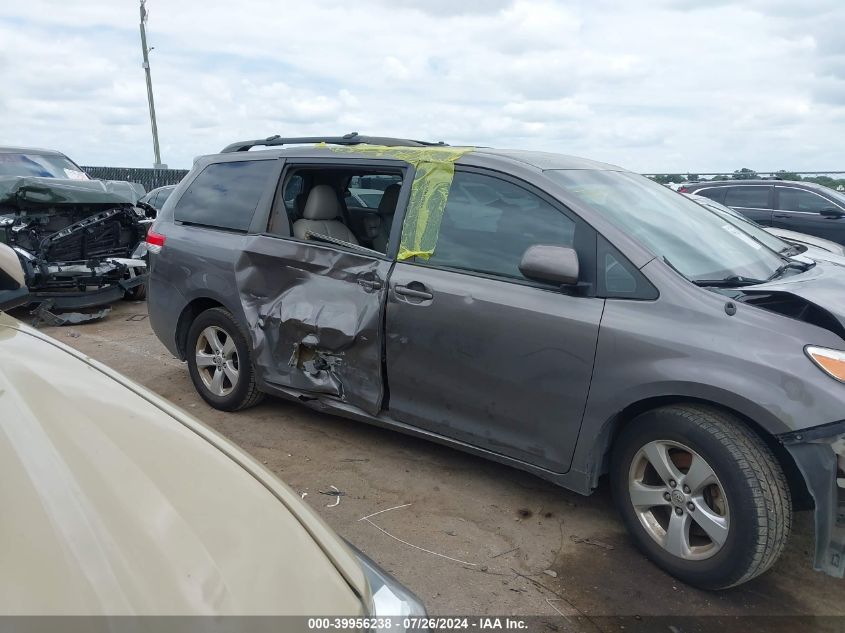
552	264
13	290
831	212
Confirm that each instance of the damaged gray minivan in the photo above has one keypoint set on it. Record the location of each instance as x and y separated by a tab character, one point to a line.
556	314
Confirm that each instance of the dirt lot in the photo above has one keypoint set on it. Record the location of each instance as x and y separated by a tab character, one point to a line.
472	537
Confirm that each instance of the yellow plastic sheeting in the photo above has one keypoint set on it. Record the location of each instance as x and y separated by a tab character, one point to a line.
435	167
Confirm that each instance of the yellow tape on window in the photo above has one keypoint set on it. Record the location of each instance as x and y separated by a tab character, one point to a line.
435	167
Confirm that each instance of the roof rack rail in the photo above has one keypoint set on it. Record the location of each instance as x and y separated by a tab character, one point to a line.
353	138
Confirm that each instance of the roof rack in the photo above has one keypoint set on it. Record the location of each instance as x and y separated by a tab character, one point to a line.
353	138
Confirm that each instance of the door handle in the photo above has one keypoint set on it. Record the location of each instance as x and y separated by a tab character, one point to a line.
782	216
414	293
370	284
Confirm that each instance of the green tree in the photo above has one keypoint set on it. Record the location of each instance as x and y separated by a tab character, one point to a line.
745	174
787	175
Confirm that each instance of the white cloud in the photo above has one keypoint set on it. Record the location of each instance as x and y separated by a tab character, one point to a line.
668	85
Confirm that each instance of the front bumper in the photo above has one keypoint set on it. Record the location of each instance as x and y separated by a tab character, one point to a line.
820	455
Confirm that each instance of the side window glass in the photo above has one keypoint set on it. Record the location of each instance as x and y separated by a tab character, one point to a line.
618	278
799	200
489	223
225	194
748	197
714	193
293	187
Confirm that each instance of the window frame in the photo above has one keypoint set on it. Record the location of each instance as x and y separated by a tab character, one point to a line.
584	244
261	225
830	202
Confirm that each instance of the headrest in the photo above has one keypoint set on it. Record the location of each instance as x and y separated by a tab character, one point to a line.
387	204
372	225
322	204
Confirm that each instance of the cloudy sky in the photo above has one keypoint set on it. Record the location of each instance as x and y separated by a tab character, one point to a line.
656	85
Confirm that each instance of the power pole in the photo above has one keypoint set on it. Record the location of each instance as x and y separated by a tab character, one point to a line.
145	51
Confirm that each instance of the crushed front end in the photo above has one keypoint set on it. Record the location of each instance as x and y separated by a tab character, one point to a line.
80	244
819	453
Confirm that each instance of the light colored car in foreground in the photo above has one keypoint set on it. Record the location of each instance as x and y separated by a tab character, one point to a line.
116	502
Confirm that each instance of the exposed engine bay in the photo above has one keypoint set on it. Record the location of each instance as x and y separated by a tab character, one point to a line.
80	245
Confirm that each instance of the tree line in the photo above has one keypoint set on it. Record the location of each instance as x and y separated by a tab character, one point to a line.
748	174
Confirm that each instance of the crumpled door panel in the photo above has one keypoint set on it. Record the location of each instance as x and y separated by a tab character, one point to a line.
314	315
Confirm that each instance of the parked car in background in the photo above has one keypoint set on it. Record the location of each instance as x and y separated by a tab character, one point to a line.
563	316
156	198
116	502
807	240
364	198
801	247
40	163
803	207
80	241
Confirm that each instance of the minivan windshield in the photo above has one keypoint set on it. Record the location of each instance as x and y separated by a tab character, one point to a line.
692	239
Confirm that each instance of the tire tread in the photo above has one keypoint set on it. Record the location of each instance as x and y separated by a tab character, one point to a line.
763	475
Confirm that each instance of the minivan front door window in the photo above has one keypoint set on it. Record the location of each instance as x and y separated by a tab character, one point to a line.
489	223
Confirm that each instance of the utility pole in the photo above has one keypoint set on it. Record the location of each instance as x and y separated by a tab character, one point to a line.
145	51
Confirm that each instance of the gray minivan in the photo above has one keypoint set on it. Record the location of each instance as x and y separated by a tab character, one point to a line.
556	314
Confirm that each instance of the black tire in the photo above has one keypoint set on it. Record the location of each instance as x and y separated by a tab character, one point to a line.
757	493
138	293
244	392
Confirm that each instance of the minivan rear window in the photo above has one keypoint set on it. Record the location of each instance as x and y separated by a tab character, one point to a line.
225	195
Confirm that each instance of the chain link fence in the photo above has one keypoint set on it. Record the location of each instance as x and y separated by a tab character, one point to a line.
150	178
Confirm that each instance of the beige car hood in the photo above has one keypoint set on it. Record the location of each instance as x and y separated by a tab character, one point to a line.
116	502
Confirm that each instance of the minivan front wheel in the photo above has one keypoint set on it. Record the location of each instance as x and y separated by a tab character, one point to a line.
703	497
220	363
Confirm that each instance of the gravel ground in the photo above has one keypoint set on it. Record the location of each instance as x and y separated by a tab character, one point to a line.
471	537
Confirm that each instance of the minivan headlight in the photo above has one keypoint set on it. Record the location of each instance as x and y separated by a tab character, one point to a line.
830	361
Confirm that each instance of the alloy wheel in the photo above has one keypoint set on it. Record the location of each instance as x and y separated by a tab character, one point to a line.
679	500
217	360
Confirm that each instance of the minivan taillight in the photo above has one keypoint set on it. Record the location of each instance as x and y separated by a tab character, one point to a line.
155	241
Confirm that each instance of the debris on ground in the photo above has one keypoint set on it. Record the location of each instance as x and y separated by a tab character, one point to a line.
509	551
43	315
334	492
589	541
422	549
550	572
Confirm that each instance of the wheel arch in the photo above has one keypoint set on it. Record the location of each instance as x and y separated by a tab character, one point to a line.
189	313
801	497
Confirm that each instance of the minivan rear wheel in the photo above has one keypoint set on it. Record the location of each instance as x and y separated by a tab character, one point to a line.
220	362
701	494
